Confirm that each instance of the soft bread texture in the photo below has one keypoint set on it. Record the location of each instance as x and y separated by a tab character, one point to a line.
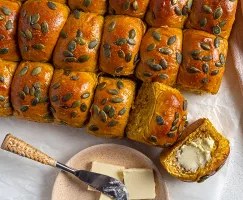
158	116
38	37
77	48
9	13
29	91
154	65
135	8
202	128
94	6
7	69
215	17
168	13
110	110
197	74
121	39
71	95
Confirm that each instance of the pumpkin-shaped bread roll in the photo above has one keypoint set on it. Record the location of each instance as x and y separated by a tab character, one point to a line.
71	95
134	8
121	39
204	57
216	17
92	6
40	24
110	110
170	13
199	154
160	54
7	69
29	91
78	45
9	13
159	115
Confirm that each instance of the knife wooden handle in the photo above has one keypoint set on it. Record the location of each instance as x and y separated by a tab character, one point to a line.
19	147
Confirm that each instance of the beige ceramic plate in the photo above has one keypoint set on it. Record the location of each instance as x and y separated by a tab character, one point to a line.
67	187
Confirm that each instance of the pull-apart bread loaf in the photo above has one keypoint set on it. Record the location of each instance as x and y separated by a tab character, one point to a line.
110	110
204	58
121	39
78	45
216	17
9	13
159	115
199	154
40	24
71	95
135	8
93	6
170	13
160	54
7	69
29	91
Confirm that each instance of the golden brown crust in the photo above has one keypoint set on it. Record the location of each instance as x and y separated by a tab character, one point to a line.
29	91
216	17
118	50
77	48
9	13
136	8
170	13
71	95
7	69
160	54
203	62
38	38
159	115
94	6
202	128
110	110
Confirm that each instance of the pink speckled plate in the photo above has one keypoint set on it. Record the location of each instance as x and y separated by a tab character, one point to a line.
67	187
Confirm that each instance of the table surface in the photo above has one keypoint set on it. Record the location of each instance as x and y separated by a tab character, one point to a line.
22	179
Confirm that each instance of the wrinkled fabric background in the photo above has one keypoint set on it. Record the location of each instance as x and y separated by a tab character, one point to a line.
22	179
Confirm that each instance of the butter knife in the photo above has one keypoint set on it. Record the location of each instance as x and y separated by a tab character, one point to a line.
105	184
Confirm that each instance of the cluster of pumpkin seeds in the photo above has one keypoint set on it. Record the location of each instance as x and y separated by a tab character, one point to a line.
33	91
109	111
5	12
185	10
175	127
72	45
2	98
162	65
195	54
127	4
63	99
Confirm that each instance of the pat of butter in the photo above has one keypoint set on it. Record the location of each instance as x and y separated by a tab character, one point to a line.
113	171
140	183
195	154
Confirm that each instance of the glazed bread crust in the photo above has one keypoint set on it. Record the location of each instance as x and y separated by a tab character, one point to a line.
159	115
71	95
7	69
168	13
110	110
160	54
77	48
121	39
216	17
203	64
40	24
202	128
29	91
9	13
94	6
136	8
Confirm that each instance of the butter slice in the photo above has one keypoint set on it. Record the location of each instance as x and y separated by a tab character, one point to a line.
140	183
113	171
